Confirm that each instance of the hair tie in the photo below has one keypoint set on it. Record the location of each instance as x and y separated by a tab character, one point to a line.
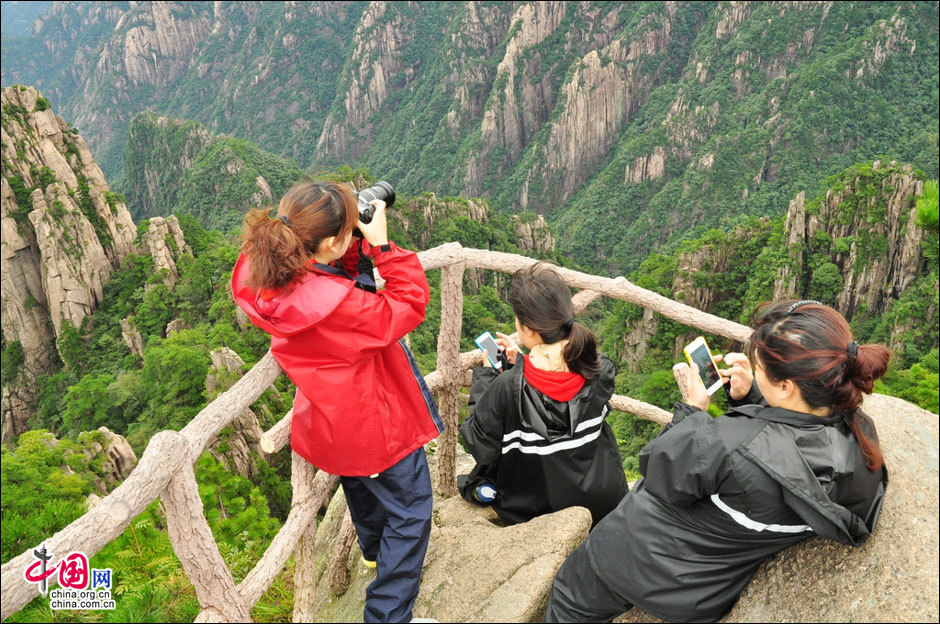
285	220
569	323
853	350
802	303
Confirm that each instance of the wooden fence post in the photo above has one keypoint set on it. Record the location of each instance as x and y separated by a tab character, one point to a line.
681	372
448	362
302	478
193	543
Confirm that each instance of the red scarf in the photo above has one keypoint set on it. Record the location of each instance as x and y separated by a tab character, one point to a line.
555	385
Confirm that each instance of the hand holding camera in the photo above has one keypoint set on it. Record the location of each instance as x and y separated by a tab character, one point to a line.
372	203
375	231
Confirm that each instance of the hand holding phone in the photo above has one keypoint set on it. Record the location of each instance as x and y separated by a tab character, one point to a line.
738	372
698	353
510	349
487	344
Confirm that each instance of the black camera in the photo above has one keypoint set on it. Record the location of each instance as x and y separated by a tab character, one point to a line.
382	190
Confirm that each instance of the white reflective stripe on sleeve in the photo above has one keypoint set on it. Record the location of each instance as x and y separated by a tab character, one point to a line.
525	435
552	448
754	525
587	424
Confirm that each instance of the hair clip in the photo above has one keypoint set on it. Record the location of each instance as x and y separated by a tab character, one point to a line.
285	220
853	349
802	303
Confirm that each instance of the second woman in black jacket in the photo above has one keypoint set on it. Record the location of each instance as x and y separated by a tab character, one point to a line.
538	430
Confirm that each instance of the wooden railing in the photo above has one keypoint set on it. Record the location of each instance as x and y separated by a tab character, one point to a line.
165	470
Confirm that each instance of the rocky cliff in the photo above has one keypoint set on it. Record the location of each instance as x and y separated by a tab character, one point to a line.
171	165
63	234
856	247
260	70
629	125
600	96
866	226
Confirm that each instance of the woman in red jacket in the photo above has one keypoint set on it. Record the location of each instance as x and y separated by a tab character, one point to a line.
362	409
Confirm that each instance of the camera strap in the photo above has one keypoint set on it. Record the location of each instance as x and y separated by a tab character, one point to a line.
363	281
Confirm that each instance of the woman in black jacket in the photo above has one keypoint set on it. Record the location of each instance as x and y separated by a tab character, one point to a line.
538	430
794	457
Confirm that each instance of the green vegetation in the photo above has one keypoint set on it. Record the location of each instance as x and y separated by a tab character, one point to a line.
214	179
149	583
917	384
223	182
40	497
12	361
928	218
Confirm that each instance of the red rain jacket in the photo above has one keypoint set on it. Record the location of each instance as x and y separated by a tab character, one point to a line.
361	403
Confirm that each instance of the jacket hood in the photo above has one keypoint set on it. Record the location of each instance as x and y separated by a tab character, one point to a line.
295	308
806	474
556	419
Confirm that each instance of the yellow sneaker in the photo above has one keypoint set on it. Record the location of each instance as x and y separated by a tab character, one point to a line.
367	563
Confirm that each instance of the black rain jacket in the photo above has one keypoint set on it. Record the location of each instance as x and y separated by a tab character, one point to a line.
542	455
720	495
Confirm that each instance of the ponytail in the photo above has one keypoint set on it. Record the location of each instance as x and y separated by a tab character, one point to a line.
581	352
811	344
277	254
542	302
281	246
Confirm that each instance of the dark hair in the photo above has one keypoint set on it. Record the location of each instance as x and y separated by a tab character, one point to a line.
542	302
280	247
811	344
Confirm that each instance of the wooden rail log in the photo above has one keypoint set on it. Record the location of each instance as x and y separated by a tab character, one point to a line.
197	550
623	290
227	406
277	437
339	573
640	409
681	372
166	453
305	576
312	491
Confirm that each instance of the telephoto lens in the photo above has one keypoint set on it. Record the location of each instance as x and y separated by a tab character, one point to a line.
382	190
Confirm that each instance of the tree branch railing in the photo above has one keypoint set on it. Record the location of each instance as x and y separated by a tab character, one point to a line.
165	469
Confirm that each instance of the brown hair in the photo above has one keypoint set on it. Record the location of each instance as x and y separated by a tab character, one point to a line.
542	302
811	344
280	247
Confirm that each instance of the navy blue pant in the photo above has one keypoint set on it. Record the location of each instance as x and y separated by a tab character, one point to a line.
392	515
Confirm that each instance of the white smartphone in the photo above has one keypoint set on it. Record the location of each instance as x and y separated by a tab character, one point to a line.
487	345
697	351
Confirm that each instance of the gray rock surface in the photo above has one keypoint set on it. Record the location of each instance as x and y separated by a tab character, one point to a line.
59	243
476	570
892	577
237	445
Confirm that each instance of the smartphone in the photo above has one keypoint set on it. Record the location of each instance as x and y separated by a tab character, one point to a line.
697	351
487	345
